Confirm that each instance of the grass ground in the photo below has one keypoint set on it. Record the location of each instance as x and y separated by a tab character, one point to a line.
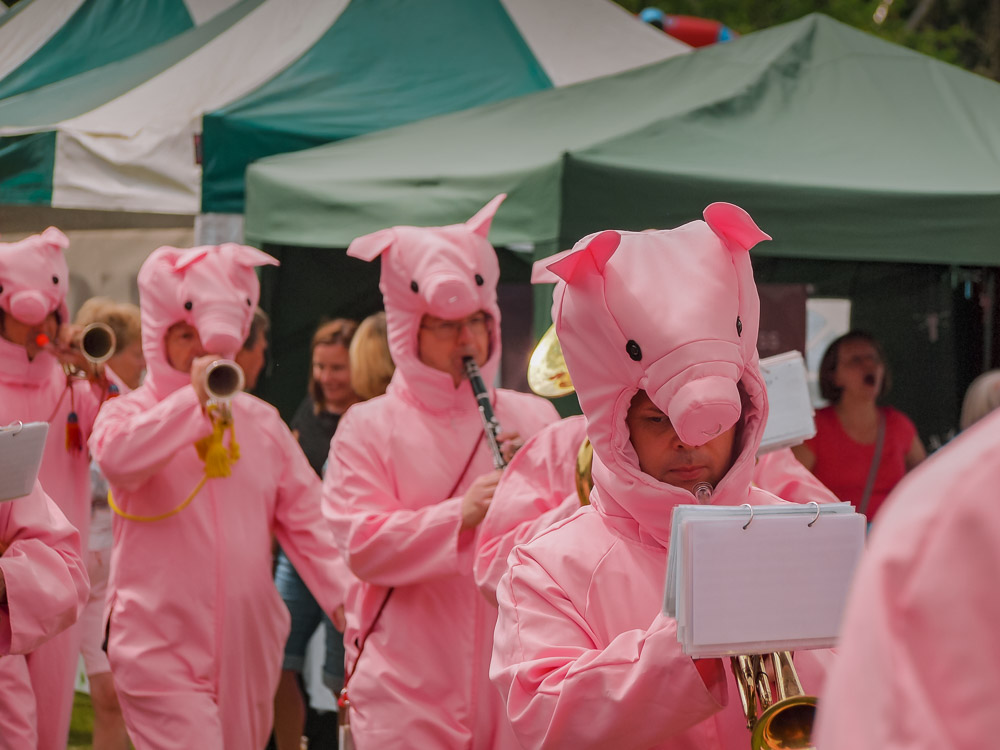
82	725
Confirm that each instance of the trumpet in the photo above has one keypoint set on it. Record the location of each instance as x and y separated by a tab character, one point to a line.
223	380
490	424
97	342
785	722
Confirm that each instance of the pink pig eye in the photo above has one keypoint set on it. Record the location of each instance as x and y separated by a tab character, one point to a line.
414	286
188	305
633	350
739	326
249	303
55	279
479	280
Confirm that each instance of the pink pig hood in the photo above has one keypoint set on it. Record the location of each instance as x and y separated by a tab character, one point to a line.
449	272
34	277
198	286
674	313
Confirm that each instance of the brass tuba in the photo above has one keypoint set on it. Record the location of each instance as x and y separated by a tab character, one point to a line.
787	715
549	377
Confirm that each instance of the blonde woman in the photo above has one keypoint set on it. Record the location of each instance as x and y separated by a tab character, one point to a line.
371	362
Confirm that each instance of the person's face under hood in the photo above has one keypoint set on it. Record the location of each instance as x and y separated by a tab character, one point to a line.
444	344
663	456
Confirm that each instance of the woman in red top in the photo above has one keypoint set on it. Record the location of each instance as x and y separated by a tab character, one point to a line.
852	377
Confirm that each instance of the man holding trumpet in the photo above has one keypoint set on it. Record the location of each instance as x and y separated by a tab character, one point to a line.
39	360
202	475
409	479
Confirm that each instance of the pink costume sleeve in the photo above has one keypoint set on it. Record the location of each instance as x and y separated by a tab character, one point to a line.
565	690
133	438
781	474
536	490
919	656
383	542
301	531
46	579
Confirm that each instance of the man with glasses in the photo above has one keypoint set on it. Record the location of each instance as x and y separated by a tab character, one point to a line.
409	480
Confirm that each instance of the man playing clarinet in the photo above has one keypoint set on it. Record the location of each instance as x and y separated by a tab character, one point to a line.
410	477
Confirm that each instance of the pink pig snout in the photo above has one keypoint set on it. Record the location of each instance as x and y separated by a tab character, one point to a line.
704	408
449	296
29	306
221	331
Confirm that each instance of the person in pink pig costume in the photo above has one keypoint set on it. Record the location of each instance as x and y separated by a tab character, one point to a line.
195	626
919	649
34	279
43	588
409	479
659	334
539	487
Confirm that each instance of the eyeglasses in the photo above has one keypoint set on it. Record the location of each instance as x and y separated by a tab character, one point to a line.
449	330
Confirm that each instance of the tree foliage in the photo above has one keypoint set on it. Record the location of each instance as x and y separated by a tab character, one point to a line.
962	32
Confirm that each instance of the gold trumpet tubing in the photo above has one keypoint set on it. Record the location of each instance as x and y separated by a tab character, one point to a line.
743	671
786	676
762	680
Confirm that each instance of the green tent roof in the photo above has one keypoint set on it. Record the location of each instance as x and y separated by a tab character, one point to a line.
841	145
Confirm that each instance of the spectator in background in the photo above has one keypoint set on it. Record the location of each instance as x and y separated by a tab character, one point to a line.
982	397
861	450
253	355
124	368
330	394
371	361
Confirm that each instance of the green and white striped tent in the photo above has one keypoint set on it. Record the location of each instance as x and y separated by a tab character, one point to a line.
280	75
44	41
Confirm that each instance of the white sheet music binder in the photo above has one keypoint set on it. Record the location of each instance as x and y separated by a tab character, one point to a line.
21	449
776	580
790	411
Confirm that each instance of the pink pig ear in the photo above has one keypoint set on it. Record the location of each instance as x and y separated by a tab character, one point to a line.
585	258
733	226
368	247
55	239
480	223
540	273
185	258
250	256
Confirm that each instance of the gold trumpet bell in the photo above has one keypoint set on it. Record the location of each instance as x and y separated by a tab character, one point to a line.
786	721
547	373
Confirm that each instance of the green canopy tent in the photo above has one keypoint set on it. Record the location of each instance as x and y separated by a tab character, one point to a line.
844	147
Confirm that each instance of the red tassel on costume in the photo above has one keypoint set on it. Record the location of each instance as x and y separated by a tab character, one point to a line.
74	439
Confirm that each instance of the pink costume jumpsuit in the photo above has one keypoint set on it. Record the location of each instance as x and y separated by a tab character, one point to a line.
399	467
34	278
919	652
46	583
195	627
582	653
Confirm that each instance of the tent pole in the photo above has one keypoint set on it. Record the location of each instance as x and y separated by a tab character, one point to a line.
989	306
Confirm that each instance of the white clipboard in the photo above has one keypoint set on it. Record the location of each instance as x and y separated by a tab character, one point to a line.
21	449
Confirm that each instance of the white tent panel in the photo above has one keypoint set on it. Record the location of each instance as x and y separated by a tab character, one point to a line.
205	10
32	26
137	152
576	40
155	170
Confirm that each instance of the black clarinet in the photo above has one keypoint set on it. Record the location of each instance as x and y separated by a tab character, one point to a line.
490	425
